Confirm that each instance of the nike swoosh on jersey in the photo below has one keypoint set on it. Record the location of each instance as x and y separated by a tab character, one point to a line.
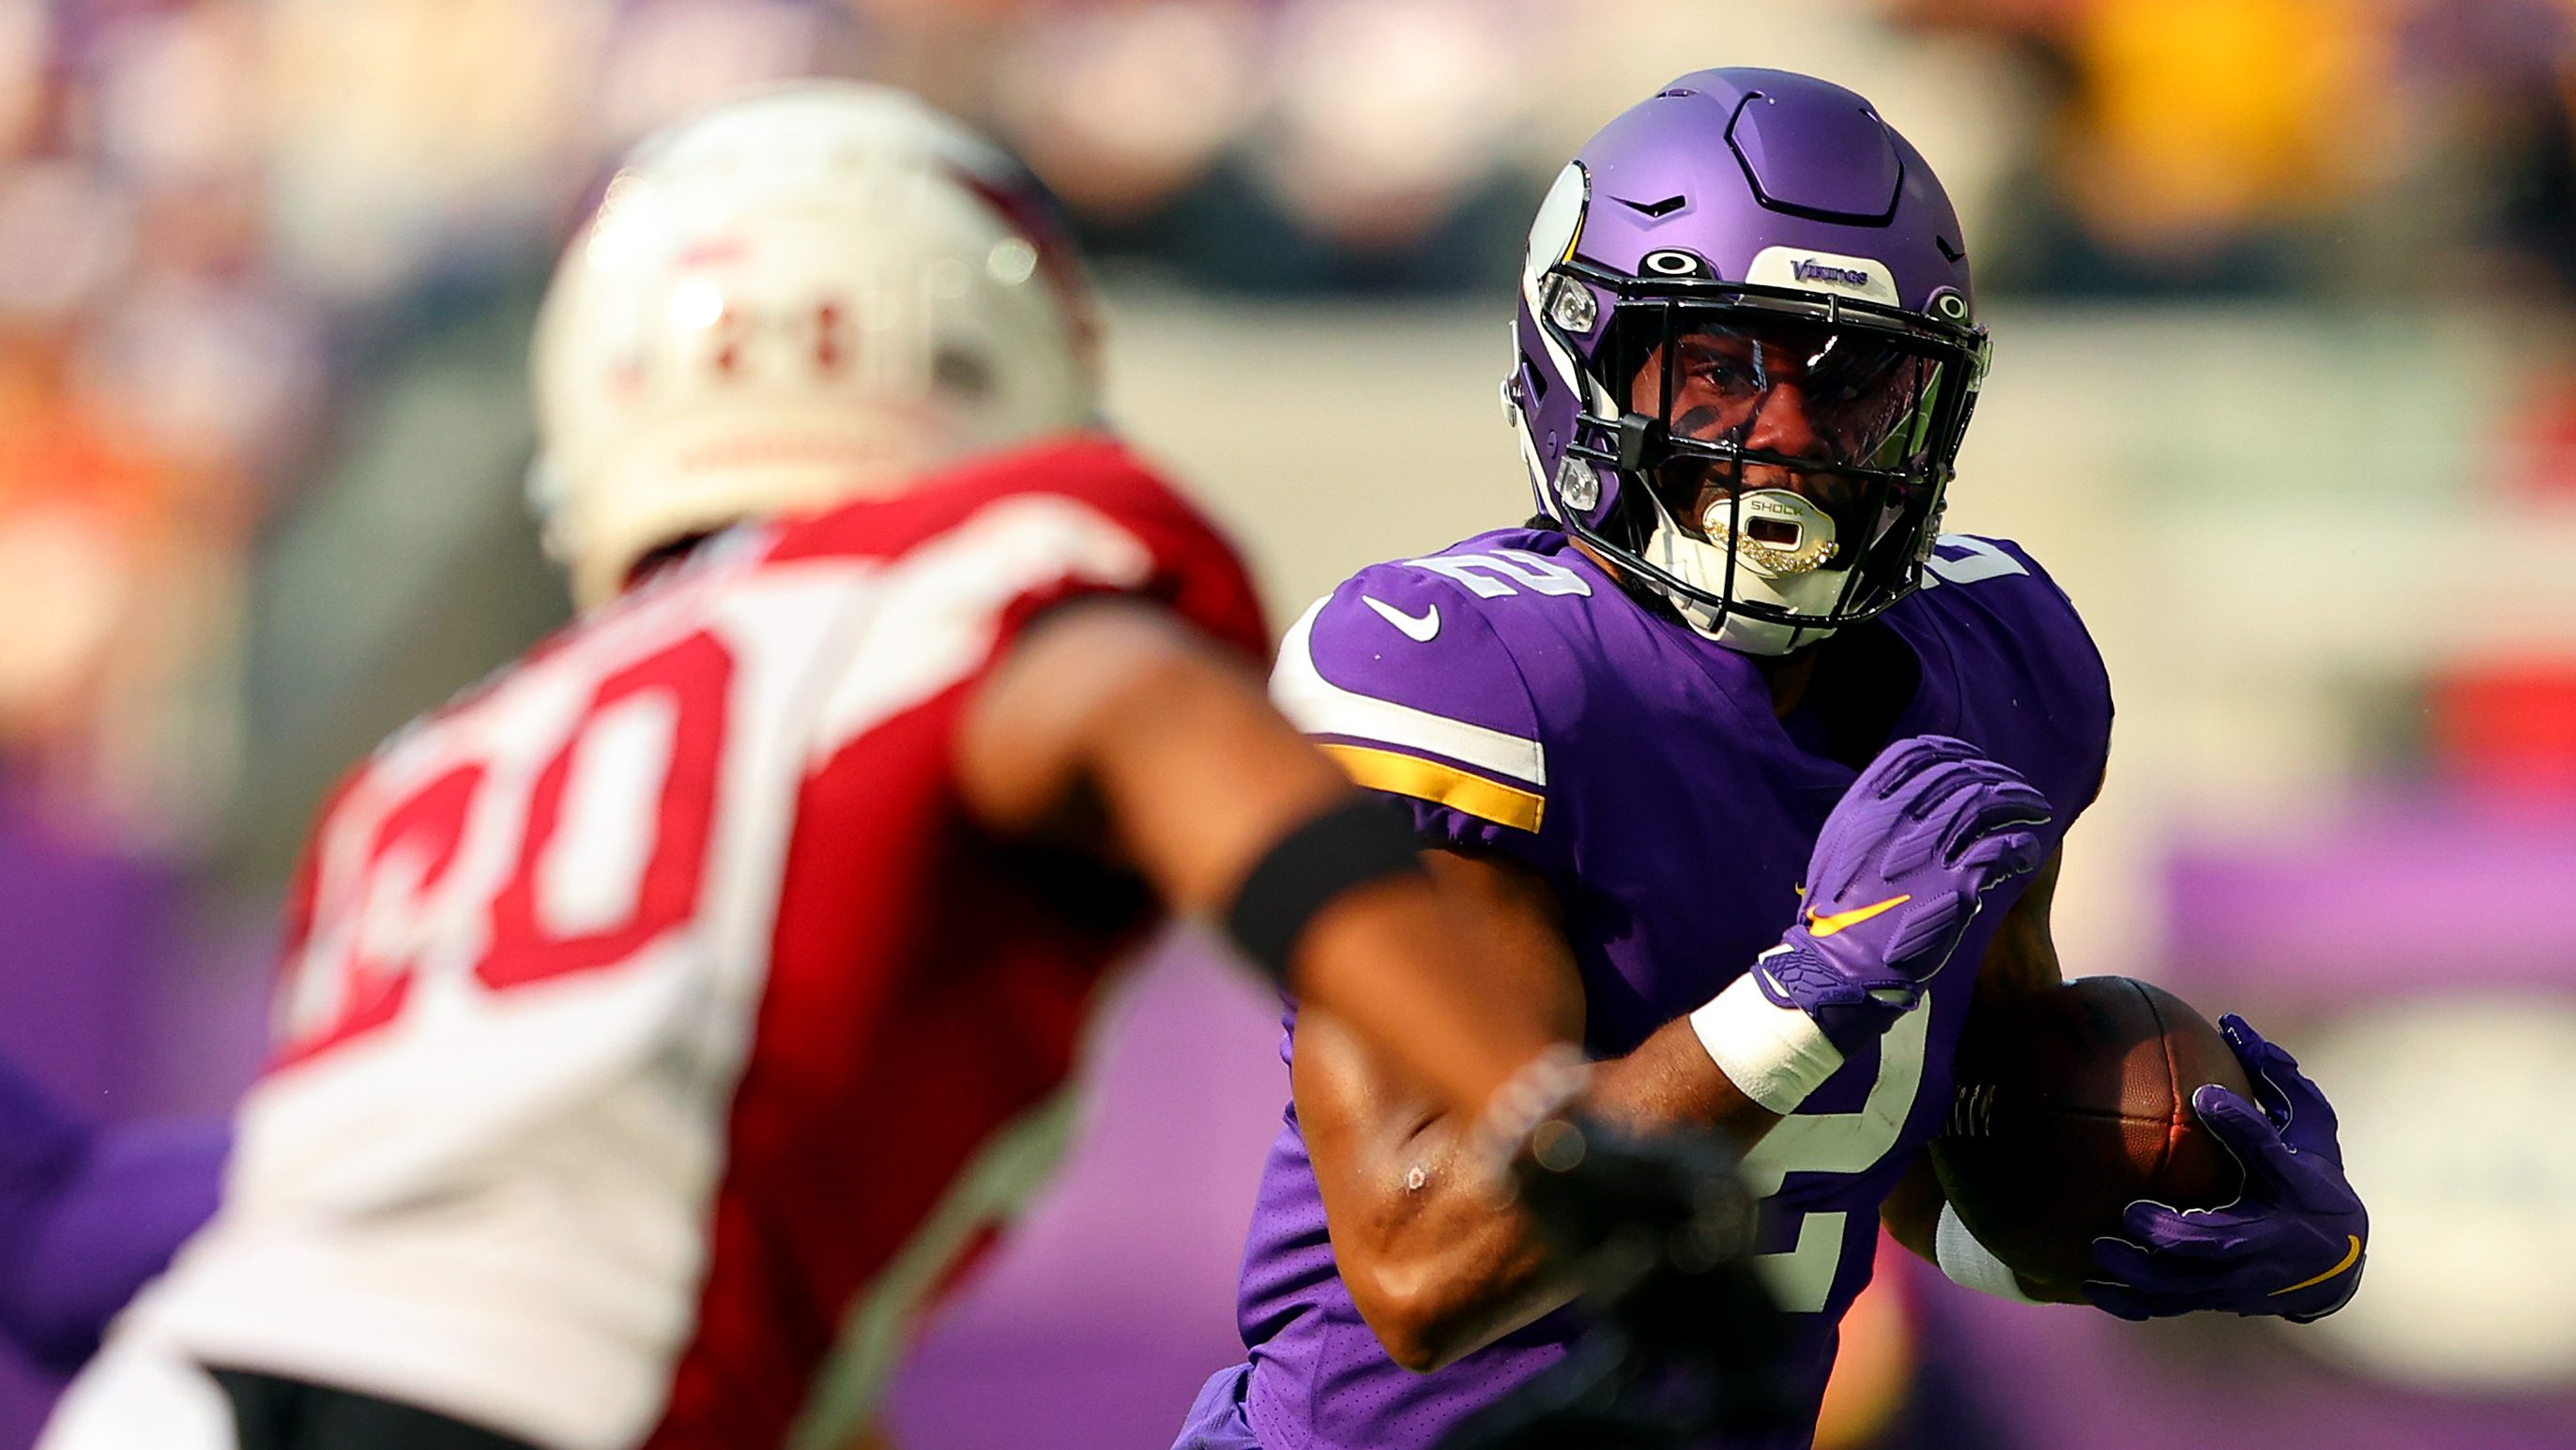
1420	630
1319	707
1828	925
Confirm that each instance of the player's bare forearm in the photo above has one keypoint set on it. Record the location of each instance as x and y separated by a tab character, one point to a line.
1911	1213
2022	957
1434	1269
1116	714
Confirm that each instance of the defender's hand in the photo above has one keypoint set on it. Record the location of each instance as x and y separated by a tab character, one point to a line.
1660	1227
2291	1244
1634	1212
1898	873
1626	1204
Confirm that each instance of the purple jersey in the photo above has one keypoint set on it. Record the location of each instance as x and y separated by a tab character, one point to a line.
1519	702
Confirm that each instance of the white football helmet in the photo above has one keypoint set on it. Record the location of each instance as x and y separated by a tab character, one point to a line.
807	295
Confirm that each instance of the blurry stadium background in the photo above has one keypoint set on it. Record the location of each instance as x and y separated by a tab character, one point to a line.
2284	294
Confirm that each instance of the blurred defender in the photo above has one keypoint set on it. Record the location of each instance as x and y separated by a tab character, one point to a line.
684	994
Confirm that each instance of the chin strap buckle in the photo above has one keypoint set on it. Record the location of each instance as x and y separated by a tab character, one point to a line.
1641	439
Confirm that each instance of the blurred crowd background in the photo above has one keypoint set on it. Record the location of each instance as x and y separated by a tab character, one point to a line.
2285	301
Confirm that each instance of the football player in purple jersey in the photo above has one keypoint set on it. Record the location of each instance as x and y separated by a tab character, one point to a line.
1737	750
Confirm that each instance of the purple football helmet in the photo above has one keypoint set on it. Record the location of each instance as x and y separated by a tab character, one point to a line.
1747	355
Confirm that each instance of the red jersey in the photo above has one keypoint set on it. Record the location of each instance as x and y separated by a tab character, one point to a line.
656	1013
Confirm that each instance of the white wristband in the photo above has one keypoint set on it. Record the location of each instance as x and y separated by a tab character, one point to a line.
1774	1055
1971	1264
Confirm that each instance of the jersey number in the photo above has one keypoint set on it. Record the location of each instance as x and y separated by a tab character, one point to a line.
1802	1277
609	855
1967	560
1505	572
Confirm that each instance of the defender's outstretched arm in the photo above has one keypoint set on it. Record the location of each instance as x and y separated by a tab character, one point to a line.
1113	721
1433	1268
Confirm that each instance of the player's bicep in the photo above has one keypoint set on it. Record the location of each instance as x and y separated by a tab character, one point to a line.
1023	741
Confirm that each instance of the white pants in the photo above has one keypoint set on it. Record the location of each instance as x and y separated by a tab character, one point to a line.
141	1394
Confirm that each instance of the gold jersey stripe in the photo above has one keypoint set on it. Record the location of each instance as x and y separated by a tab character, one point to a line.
1446	785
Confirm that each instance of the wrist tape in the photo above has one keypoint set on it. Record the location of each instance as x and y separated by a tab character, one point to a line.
1774	1055
1971	1264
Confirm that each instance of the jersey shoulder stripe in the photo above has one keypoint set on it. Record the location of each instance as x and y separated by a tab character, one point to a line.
1402	682
1445	785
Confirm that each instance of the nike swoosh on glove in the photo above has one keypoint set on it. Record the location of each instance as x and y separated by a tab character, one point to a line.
2291	1244
1899	871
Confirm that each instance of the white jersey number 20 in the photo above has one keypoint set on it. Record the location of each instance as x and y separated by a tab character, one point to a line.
634	780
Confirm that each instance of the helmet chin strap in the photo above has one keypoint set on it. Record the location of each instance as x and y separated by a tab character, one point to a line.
1761	574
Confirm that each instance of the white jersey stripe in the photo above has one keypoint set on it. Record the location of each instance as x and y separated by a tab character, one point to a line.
933	617
1319	707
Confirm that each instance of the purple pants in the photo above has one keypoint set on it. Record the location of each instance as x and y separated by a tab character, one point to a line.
1216	1420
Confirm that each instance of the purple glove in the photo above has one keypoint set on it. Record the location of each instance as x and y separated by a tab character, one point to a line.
2291	1243
86	1219
1899	871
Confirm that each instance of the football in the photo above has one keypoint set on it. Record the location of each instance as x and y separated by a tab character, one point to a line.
2071	1103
